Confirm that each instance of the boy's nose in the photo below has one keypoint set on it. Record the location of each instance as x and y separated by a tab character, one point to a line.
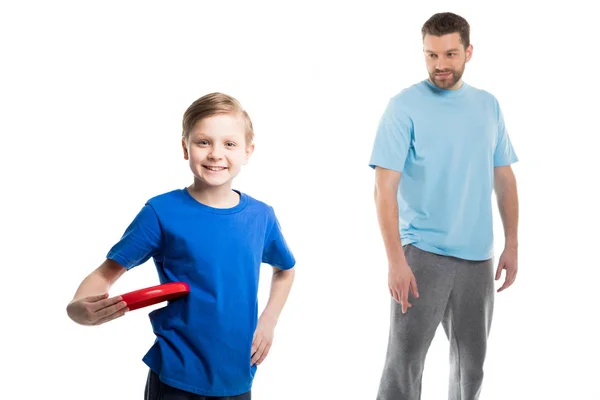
216	153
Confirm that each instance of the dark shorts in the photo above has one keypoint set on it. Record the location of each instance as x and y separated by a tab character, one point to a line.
157	390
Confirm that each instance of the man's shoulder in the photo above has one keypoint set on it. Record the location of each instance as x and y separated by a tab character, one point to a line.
409	93
484	94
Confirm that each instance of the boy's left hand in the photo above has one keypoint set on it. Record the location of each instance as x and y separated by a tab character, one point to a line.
263	338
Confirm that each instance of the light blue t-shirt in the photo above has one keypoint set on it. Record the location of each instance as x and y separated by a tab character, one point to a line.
204	339
446	143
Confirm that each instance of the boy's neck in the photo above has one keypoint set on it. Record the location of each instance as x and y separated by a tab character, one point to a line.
216	197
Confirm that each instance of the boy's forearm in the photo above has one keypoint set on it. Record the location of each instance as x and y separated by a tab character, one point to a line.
99	281
281	284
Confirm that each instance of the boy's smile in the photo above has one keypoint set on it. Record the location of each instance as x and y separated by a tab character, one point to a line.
214	168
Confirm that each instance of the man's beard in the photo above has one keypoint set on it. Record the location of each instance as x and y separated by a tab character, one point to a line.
448	82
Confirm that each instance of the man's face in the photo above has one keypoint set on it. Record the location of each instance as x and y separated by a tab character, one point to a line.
445	57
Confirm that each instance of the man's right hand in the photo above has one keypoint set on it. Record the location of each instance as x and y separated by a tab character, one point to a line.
96	310
400	280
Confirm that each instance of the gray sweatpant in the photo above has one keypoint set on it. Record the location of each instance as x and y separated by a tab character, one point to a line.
459	294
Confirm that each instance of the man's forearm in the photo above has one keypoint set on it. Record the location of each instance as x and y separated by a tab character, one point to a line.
387	216
508	206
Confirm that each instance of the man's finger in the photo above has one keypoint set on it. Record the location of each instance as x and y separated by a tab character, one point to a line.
499	271
413	287
395	296
404	297
504	285
513	277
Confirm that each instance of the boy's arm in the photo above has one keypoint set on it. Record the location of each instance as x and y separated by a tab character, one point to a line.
142	239
281	284
100	280
90	305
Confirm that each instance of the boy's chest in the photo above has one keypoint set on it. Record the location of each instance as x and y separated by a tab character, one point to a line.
215	244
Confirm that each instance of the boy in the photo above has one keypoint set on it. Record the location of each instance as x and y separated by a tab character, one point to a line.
209	342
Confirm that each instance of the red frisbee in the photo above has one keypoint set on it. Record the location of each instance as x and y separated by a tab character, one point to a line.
155	294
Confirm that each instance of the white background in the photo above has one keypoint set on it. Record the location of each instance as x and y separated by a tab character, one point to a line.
92	95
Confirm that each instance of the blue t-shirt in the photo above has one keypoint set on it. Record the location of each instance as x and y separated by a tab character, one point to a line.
204	339
446	143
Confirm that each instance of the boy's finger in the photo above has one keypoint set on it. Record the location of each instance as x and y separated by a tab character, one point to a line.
258	353
255	346
93	299
264	355
105	312
110	317
105	303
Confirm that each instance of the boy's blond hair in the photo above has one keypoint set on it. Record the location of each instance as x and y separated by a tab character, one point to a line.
215	104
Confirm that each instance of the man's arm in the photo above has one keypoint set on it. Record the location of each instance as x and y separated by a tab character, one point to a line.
505	186
386	203
400	276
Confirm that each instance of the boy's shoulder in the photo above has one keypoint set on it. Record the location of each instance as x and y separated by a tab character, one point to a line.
257	207
175	195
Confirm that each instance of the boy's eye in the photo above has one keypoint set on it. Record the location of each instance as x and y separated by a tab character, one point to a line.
230	144
203	142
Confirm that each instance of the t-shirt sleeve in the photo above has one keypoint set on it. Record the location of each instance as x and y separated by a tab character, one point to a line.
276	251
392	139
504	154
141	240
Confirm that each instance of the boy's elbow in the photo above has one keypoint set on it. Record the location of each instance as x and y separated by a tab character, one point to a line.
110	271
289	273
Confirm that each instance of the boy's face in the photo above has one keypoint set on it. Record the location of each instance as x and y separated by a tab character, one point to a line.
446	57
216	149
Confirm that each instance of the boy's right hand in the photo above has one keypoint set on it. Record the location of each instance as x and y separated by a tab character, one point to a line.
96	310
400	280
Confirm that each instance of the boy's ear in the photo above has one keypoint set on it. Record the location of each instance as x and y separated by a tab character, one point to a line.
249	151
185	150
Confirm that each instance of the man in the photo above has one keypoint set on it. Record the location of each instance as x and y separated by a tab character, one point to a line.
440	150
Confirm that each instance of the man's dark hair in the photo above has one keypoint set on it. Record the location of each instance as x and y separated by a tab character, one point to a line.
446	23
